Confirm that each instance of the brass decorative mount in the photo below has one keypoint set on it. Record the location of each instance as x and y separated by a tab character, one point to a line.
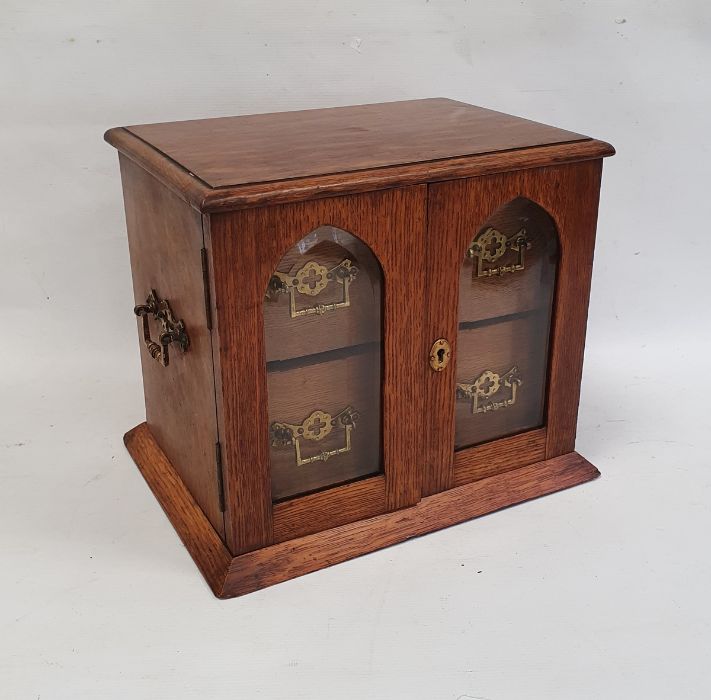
311	280
482	390
315	428
440	354
172	330
490	245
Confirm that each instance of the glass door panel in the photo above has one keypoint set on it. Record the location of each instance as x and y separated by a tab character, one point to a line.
323	339
506	290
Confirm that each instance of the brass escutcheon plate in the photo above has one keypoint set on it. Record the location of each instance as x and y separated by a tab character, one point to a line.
440	354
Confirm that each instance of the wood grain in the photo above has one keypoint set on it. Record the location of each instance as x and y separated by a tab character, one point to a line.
440	321
498	347
194	529
258	239
413	182
482	298
207	199
338	506
231	151
287	560
458	209
182	183
499	456
165	240
233	576
359	323
577	224
353	380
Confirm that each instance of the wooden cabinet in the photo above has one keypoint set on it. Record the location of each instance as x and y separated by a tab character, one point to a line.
358	324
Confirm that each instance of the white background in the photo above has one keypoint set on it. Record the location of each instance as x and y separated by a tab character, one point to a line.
597	592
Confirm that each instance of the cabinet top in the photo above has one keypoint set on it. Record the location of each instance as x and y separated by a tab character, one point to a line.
230	162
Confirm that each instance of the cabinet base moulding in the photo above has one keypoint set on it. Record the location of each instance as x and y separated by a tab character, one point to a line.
229	576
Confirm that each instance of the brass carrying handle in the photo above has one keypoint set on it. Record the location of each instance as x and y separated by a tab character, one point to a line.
311	280
490	245
172	331
483	390
316	427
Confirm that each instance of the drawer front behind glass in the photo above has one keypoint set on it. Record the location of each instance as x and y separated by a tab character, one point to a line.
324	295
506	286
501	378
322	324
324	423
510	265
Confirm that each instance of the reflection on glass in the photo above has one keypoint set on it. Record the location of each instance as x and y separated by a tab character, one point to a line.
506	289
322	325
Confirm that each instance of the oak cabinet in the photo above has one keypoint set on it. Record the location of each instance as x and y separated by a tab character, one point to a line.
357	324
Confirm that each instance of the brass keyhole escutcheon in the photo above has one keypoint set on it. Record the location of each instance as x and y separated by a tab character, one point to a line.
440	354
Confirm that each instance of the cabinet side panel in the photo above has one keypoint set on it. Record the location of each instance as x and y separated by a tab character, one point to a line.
577	224
165	241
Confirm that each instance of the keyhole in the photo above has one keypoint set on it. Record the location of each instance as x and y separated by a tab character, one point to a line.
439	355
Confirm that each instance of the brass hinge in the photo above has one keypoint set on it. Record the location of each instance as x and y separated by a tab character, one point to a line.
220	482
206	287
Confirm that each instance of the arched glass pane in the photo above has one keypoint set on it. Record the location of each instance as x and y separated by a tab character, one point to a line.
505	300
322	325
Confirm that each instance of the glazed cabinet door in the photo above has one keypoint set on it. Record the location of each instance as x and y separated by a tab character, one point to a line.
320	356
511	273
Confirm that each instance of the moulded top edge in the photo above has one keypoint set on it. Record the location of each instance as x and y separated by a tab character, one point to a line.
242	161
242	150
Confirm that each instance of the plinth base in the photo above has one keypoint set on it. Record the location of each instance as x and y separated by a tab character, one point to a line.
229	576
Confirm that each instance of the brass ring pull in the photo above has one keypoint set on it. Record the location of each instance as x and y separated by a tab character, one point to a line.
483	391
172	331
316	427
490	245
311	280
